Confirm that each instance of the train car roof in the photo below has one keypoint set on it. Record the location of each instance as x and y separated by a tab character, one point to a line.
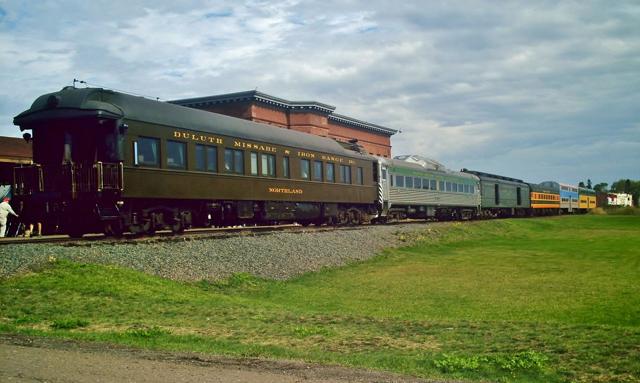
484	175
553	185
418	167
101	103
541	188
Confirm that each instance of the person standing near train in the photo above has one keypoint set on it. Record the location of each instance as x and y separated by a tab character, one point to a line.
5	210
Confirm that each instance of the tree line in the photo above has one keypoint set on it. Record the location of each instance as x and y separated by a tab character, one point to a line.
620	186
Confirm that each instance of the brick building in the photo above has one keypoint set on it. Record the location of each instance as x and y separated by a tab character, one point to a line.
13	152
304	116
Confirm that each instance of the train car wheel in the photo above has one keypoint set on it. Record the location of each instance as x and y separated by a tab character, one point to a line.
76	231
148	227
177	227
114	228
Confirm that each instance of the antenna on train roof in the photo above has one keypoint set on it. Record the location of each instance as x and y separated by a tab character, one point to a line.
117	90
78	81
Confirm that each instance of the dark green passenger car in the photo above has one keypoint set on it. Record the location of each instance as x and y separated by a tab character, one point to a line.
112	161
503	196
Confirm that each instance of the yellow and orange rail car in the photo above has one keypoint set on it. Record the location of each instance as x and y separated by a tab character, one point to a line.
544	200
587	199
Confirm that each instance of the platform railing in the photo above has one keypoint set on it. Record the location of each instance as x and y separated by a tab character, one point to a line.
72	179
27	180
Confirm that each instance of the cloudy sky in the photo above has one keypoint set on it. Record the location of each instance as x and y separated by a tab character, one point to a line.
532	89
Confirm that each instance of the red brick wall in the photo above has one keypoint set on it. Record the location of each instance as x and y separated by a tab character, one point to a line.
307	122
240	110
267	115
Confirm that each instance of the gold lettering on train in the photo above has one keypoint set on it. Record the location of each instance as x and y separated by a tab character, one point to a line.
332	158
285	191
306	155
198	137
252	146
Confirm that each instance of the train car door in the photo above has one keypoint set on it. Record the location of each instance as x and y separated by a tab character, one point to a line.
383	186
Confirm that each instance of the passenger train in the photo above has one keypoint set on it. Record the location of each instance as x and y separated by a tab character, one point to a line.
113	162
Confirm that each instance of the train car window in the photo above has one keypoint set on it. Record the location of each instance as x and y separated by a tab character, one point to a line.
400	181
176	155
285	167
331	173
497	194
441	185
234	161
417	183
146	151
425	184
359	176
206	158
228	160
212	159
254	163
472	189
345	174
432	185
238	161
304	169
409	182
268	165
384	174
317	170
518	196
454	187
467	188
448	186
201	158
392	177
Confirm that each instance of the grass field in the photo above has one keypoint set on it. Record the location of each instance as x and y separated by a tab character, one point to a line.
527	300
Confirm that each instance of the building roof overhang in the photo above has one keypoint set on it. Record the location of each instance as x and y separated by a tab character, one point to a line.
292	106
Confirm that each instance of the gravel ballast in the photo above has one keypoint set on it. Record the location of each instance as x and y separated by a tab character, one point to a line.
273	256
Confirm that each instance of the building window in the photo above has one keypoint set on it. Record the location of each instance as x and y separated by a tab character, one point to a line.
345	174
254	163
304	169
285	167
317	170
400	181
359	176
331	171
206	158
268	162
176	155
146	151
234	161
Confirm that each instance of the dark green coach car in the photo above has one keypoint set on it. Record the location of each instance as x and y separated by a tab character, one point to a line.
112	161
503	196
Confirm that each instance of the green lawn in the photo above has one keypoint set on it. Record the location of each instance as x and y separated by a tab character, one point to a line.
527	300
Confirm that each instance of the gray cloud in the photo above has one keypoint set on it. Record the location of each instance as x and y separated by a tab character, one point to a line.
541	90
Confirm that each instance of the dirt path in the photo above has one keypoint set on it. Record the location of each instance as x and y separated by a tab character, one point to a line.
24	359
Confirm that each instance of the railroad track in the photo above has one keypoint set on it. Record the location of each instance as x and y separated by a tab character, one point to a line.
196	233
167	235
